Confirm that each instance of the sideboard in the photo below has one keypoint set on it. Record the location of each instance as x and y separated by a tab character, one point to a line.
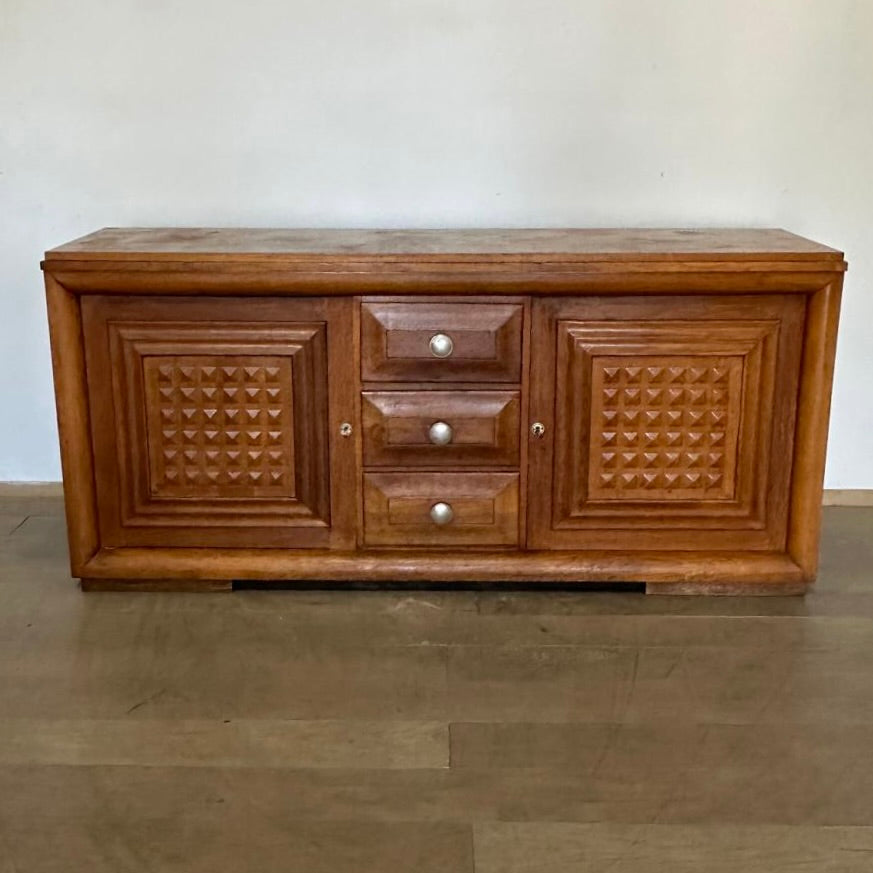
574	406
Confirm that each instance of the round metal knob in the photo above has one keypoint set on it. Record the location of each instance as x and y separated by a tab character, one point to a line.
345	429
441	345
441	513
537	428
440	433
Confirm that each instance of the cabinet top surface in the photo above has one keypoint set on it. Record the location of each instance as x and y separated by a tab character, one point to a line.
487	246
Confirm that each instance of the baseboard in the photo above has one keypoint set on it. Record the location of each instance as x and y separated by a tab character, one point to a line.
848	497
31	489
832	496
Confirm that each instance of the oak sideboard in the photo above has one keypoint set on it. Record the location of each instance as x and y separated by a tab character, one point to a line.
597	406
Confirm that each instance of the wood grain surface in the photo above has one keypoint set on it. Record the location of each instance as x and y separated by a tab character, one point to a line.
118	244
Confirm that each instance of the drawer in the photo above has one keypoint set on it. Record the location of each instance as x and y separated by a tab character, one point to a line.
440	509
435	342
441	428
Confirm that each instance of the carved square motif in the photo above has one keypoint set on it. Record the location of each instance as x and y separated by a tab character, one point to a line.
664	427
222	424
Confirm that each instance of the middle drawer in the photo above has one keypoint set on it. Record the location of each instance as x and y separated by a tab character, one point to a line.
441	428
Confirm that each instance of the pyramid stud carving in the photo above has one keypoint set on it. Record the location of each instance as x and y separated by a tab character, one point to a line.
660	427
200	438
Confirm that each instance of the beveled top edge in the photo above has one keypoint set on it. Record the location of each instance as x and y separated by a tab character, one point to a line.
556	245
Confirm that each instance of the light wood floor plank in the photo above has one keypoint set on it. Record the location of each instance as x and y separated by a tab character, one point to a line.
225	743
554	848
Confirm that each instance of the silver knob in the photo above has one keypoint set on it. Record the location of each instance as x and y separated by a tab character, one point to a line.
537	428
345	429
441	513
441	345
440	433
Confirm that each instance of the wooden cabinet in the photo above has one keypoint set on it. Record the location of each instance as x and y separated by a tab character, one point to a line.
592	406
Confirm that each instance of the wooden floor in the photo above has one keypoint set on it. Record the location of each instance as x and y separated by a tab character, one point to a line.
424	731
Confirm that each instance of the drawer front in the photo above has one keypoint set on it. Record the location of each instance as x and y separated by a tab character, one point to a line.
435	342
440	509
441	428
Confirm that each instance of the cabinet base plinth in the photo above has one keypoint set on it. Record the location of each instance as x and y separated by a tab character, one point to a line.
664	572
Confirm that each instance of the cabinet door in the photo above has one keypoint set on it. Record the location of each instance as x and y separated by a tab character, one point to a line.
215	422
669	421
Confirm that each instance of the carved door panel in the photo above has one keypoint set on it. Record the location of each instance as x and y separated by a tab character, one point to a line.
669	422
219	424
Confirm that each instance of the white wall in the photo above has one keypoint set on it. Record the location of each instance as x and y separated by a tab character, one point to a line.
431	113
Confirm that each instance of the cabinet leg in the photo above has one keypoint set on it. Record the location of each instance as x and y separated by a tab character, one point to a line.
205	585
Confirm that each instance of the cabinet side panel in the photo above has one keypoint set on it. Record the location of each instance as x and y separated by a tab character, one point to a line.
819	350
74	427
